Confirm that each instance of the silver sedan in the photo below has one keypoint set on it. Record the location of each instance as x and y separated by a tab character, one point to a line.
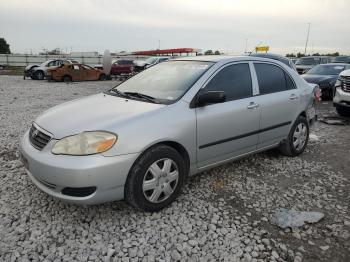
140	140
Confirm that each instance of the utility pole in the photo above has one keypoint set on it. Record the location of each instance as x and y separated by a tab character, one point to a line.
246	45
158	44
307	37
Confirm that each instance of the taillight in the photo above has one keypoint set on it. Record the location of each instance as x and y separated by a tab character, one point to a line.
317	93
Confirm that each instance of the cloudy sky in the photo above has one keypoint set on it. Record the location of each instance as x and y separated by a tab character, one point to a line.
96	25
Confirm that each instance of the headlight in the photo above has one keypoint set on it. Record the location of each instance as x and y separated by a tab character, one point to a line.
86	143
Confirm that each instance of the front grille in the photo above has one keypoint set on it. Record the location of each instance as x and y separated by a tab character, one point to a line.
37	138
345	83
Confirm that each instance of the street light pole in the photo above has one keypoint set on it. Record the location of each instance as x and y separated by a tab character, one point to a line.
307	37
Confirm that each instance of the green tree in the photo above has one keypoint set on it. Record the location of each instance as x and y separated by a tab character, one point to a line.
209	52
56	51
290	55
4	47
217	52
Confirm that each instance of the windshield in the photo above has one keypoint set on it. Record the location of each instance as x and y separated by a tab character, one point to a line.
326	70
341	59
306	61
45	63
166	81
151	60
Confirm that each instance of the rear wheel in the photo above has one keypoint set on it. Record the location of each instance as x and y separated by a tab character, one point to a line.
102	77
66	78
297	139
156	179
343	111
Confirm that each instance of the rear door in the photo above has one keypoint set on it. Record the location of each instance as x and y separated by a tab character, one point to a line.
278	100
228	129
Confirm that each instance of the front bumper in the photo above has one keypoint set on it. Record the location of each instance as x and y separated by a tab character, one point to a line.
53	173
341	98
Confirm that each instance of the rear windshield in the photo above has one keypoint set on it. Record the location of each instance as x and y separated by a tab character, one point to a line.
307	61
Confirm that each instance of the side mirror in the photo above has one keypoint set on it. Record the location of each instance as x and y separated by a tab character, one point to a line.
211	97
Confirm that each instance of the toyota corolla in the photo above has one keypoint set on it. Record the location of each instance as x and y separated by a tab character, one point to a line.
140	140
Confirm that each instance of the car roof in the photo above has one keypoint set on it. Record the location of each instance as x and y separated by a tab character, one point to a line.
270	55
334	64
224	58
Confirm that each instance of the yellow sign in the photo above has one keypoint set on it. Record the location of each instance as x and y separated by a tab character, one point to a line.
262	48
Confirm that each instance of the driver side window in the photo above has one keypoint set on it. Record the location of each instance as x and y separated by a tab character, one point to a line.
235	80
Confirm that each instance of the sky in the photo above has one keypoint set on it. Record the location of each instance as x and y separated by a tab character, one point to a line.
130	25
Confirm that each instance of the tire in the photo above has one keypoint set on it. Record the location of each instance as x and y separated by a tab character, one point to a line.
290	147
39	75
102	77
162	189
66	78
343	111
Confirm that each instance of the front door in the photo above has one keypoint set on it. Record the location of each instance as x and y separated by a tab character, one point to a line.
228	129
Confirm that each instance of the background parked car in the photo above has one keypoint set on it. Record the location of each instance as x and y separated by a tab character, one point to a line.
284	60
122	66
2	67
75	72
341	98
325	76
143	64
38	72
304	64
341	59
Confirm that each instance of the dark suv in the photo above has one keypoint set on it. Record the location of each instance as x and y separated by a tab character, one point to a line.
304	64
122	66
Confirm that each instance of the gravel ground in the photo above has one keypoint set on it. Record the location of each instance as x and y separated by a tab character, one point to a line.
222	215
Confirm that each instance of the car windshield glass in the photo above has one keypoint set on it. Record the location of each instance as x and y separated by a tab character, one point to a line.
165	82
46	63
341	59
306	61
326	70
150	60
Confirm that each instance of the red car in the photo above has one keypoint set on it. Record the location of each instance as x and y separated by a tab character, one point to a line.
122	66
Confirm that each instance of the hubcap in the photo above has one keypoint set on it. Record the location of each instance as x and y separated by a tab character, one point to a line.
160	180
299	136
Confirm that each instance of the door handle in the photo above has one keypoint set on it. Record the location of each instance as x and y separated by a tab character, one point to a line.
293	96
252	105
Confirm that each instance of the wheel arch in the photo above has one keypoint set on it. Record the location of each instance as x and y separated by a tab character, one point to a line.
175	145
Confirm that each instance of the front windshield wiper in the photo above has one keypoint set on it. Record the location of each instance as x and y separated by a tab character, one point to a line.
142	96
118	93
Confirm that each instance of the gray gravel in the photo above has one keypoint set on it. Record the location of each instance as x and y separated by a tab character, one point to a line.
222	215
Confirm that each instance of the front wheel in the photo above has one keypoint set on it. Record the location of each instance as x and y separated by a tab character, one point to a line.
297	139
66	78
39	75
156	179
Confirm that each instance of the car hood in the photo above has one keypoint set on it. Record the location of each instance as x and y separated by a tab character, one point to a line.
140	63
96	112
318	79
30	66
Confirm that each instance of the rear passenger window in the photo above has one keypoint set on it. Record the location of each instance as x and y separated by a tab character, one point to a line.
234	80
289	81
271	78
